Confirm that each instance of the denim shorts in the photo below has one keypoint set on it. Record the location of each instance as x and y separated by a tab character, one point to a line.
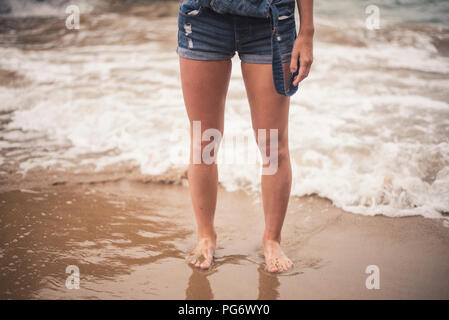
204	34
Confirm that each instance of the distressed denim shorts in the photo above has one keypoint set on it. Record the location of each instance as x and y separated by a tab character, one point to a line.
204	34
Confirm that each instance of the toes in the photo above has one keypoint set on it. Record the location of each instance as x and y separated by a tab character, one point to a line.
287	265
206	264
201	261
278	265
272	269
193	259
208	259
202	255
271	266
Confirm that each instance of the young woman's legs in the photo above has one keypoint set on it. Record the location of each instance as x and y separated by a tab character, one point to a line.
269	110
204	86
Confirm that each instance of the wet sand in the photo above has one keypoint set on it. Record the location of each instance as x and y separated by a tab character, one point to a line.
129	240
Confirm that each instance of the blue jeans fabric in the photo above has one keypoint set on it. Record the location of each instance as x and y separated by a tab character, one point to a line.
204	34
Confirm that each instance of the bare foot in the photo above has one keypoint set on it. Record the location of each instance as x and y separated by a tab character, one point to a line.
203	254
275	258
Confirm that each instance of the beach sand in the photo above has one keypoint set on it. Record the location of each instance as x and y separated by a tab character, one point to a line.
129	240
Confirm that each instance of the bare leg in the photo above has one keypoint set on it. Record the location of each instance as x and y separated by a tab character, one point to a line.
269	110
204	86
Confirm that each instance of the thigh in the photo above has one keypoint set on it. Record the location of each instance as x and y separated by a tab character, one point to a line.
204	34
204	86
255	34
269	110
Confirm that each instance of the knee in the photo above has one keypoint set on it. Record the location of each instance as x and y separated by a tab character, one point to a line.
273	147
283	153
204	147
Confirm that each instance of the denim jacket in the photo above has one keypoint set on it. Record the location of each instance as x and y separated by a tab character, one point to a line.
252	8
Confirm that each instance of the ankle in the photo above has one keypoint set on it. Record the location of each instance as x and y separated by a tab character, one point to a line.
207	234
271	237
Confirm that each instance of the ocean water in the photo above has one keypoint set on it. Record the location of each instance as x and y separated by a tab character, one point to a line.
369	128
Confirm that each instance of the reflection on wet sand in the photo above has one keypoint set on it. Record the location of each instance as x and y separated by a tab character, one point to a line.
199	286
268	285
44	232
